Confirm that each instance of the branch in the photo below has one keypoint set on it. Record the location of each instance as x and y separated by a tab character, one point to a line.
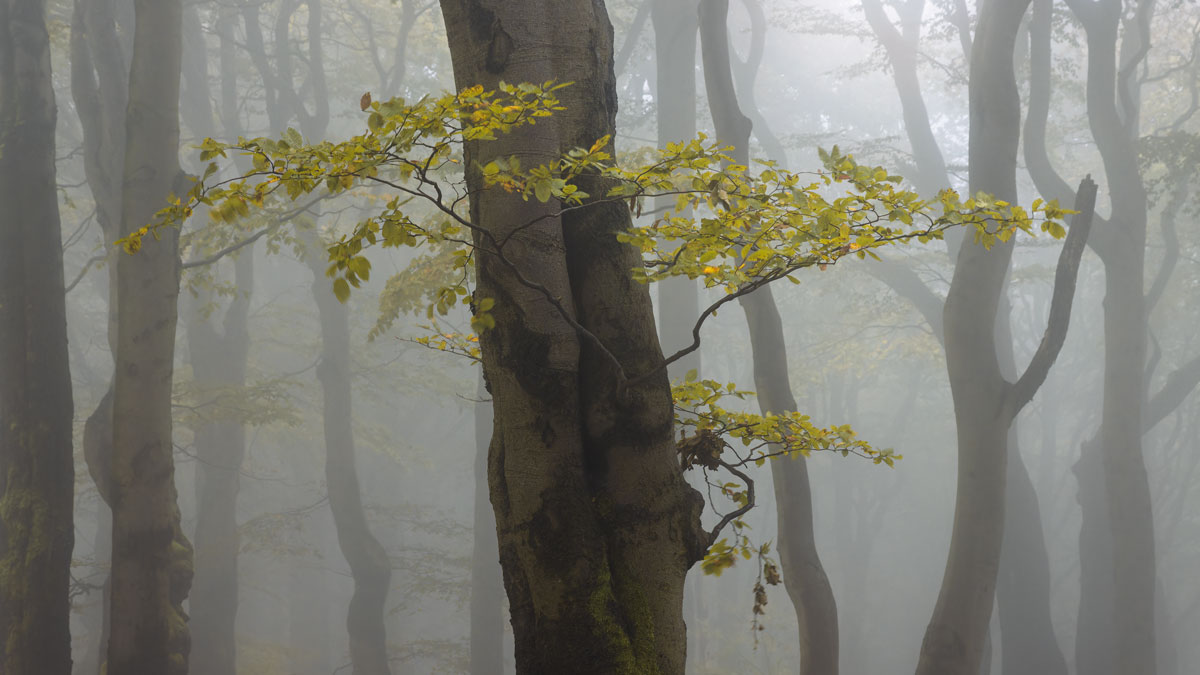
82	272
236	246
1046	178
905	282
1065	277
1179	384
1170	240
632	36
736	513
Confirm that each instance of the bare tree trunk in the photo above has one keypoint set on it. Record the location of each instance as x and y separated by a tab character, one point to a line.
152	560
37	471
985	402
219	364
369	562
803	574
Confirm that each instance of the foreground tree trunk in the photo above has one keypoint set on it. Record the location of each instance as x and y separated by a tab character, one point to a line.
37	471
803	574
597	527
151	568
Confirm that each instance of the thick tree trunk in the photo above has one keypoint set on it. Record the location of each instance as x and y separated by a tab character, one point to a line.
369	563
218	364
597	527
803	575
151	570
487	585
36	465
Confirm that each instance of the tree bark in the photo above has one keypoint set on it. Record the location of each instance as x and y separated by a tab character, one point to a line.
37	469
596	525
151	569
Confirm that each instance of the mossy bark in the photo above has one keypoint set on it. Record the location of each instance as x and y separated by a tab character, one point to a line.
596	525
36	464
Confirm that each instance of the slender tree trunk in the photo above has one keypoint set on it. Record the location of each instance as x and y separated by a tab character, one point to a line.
218	364
596	525
803	574
1027	640
369	563
151	558
99	89
1113	114
37	472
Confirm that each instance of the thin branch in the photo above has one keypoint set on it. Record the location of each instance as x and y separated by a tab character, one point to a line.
736	513
632	37
1178	386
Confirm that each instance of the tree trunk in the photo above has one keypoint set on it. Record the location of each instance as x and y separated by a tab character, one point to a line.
151	569
218	364
37	472
1112	116
954	639
803	575
369	563
597	527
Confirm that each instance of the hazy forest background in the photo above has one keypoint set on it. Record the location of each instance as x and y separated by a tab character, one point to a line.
330	459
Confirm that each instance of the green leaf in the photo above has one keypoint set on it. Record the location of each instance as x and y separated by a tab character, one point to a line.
341	289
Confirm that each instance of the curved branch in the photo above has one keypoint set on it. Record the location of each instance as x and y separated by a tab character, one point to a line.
1065	277
632	36
736	513
1178	386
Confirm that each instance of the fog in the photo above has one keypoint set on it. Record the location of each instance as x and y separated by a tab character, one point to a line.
971	448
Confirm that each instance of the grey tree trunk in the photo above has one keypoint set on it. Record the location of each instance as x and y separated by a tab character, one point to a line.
369	563
218	360
99	88
803	574
985	402
596	525
152	560
37	471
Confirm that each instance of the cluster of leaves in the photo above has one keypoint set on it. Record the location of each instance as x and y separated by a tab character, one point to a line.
761	436
710	438
734	228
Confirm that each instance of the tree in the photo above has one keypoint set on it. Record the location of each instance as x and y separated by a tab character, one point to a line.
37	472
985	402
1022	592
596	525
803	574
152	566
